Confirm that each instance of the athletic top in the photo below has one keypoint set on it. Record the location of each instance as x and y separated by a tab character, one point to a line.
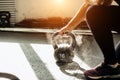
118	2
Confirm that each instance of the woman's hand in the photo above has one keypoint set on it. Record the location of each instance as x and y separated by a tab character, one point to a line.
64	29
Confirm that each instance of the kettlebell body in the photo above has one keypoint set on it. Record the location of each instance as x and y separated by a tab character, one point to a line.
63	49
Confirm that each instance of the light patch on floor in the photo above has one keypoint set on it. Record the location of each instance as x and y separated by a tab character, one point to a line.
13	60
4	79
81	63
46	52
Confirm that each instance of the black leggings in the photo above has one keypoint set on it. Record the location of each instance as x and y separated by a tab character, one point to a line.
102	20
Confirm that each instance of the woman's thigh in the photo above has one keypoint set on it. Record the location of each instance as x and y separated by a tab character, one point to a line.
108	16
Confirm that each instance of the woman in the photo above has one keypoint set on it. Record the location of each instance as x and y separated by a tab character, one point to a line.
101	18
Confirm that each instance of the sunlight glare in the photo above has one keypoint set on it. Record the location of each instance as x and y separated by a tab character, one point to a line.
59	1
14	61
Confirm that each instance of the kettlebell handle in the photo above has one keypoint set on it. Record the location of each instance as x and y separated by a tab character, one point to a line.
72	45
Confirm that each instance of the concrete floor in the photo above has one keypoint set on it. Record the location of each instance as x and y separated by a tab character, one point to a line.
39	52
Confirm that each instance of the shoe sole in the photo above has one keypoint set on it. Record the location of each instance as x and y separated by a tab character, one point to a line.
107	76
104	79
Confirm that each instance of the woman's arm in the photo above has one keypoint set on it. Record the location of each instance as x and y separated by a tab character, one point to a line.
78	18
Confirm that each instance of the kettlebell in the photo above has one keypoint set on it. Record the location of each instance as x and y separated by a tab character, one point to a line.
63	47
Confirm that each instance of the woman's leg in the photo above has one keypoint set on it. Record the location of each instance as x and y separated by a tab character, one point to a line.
102	20
98	19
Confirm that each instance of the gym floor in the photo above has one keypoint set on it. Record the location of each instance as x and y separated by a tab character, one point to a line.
29	55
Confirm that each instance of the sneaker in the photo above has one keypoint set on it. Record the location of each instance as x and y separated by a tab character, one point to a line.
103	72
